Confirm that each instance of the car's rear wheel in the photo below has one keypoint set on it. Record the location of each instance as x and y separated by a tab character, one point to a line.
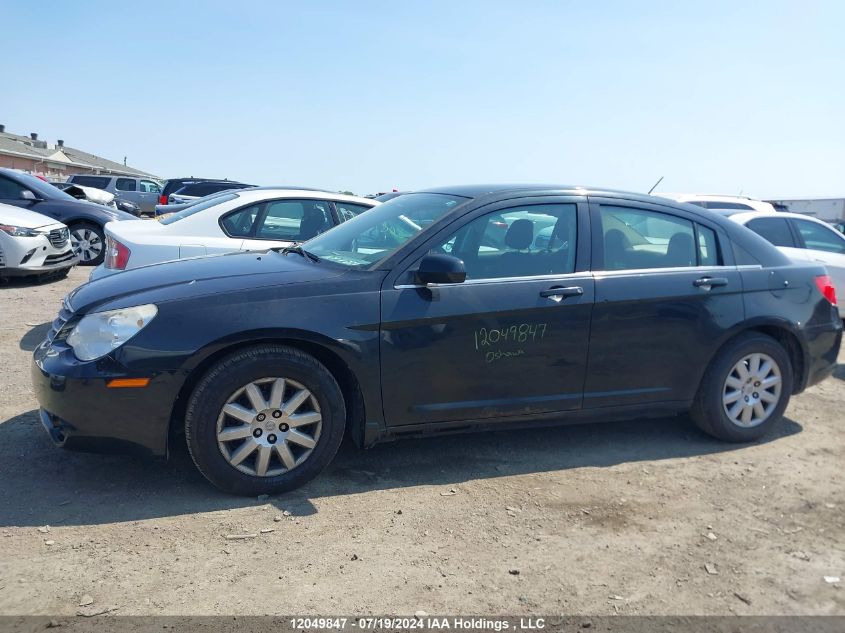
89	243
745	390
264	420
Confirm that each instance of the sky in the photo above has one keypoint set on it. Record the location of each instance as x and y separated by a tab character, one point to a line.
716	97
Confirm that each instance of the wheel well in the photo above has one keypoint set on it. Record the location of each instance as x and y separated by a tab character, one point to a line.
352	396
790	343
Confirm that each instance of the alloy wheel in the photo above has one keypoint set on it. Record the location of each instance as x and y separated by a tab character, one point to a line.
752	390
269	427
86	244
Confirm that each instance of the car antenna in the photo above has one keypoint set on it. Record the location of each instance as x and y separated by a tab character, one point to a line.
655	185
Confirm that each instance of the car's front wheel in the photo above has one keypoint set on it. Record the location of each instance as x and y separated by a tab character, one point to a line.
89	243
745	390
264	420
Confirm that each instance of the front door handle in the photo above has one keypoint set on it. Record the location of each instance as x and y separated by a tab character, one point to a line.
557	293
710	282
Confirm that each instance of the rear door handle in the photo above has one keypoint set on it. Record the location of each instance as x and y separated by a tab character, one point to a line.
710	282
558	293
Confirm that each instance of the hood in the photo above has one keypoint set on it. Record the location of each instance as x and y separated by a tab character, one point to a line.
95	195
22	217
81	209
189	278
113	214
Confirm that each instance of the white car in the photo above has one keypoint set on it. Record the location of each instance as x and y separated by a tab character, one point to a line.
240	220
804	238
33	244
720	203
91	194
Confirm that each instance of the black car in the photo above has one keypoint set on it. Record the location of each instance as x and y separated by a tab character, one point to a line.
84	219
196	187
414	317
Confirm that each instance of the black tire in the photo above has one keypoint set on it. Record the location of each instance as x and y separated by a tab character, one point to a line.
101	235
708	411
239	369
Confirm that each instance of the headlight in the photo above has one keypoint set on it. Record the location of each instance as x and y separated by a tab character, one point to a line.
100	332
18	231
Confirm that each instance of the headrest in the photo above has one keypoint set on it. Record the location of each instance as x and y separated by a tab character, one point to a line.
520	234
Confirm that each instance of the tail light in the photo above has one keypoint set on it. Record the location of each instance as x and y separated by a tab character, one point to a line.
162	199
117	254
825	286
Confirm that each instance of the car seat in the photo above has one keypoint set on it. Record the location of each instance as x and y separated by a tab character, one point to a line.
314	221
681	251
617	250
519	237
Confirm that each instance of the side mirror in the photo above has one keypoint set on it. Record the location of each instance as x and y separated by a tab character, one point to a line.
26	194
441	269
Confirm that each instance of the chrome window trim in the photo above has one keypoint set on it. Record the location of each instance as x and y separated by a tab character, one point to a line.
584	273
475	282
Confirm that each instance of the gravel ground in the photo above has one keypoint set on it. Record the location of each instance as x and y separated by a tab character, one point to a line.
630	517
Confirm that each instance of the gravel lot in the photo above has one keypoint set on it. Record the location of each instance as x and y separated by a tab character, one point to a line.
630	518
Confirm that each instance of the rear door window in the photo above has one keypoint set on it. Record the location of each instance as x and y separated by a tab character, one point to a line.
640	239
125	184
775	230
820	238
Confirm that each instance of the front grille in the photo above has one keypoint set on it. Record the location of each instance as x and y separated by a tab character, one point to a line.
59	237
62	324
58	259
2	259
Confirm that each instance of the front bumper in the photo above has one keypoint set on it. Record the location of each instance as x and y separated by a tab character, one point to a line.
80	412
40	270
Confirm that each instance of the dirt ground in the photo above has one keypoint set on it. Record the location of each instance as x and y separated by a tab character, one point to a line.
631	518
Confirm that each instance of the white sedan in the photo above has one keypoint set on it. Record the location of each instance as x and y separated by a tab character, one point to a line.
802	237
240	220
33	244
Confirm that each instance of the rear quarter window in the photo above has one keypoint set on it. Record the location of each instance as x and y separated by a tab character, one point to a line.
774	230
99	182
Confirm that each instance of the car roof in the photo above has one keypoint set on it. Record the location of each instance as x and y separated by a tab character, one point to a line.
477	191
745	216
259	193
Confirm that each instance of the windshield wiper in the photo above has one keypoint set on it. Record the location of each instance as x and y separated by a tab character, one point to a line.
296	248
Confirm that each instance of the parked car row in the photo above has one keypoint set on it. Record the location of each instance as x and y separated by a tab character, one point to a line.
33	244
236	220
85	220
142	192
98	196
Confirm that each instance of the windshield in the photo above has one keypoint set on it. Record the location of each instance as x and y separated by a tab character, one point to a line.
43	189
375	234
198	206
